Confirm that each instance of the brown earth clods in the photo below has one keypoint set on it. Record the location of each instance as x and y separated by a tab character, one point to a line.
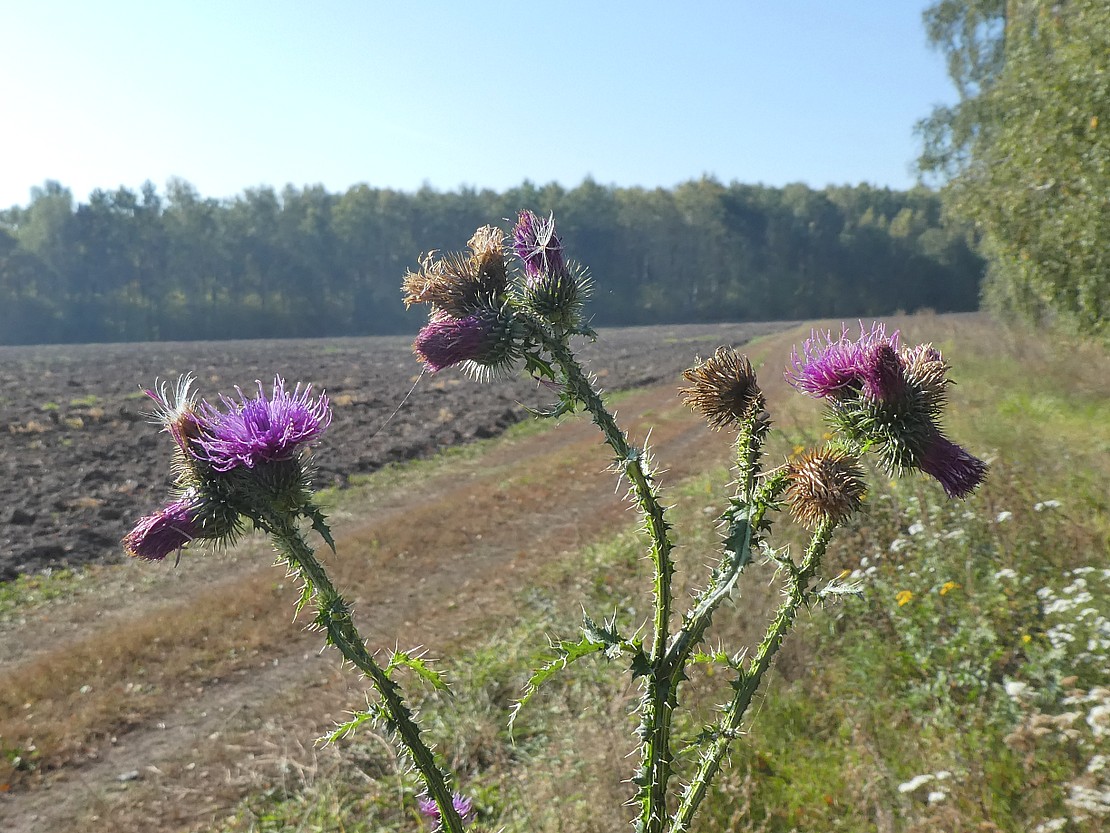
79	461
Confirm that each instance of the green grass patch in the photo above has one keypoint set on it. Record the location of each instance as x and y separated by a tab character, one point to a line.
965	688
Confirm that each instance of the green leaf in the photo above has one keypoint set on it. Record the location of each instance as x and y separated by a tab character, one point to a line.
373	714
566	652
403	659
320	524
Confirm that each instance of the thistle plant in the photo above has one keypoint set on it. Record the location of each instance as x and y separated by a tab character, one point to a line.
517	301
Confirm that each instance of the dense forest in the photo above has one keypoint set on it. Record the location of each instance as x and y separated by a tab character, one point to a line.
129	266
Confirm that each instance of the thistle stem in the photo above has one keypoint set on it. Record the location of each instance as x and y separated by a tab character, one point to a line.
700	616
729	727
659	696
334	617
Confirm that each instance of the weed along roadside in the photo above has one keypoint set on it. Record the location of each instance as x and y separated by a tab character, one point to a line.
193	652
966	686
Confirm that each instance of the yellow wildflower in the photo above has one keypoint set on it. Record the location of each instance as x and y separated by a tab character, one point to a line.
903	597
948	586
1026	639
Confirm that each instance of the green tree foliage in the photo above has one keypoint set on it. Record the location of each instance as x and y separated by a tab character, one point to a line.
306	262
1028	150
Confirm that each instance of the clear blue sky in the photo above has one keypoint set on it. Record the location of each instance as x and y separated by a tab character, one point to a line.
240	93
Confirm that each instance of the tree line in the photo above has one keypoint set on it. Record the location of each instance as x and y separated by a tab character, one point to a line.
139	266
1025	152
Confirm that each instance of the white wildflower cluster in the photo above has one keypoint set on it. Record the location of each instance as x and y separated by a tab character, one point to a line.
929	787
1077	616
1084	728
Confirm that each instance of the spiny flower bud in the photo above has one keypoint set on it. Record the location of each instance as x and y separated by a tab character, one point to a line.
723	388
169	529
824	486
926	374
484	341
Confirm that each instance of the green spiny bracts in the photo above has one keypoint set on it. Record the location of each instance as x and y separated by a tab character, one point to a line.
558	297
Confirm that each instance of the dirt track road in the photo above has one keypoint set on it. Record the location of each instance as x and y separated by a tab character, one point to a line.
425	563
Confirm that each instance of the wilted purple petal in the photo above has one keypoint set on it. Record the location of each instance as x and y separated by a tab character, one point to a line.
957	471
169	529
260	430
538	245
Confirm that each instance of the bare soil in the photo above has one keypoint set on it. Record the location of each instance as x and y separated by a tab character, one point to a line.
164	697
79	463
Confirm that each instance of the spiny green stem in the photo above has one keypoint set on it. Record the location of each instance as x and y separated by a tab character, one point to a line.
700	615
659	695
335	618
729	726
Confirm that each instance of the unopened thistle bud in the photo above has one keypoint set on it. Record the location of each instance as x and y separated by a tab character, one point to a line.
485	343
926	374
824	486
723	388
167	530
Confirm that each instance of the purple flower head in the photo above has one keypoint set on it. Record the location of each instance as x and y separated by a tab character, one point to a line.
446	341
538	245
959	472
883	377
260	430
169	529
463	806
483	340
841	368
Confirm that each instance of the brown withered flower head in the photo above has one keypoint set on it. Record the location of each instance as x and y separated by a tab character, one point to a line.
723	388
826	485
460	284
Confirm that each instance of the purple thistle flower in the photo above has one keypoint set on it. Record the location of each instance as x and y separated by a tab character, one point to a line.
483	339
835	369
959	472
169	529
446	341
538	245
428	808
260	430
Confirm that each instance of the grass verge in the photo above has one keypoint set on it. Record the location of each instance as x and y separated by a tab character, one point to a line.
965	689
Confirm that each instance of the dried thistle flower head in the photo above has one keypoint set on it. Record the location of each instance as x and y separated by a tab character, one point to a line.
460	284
824	486
723	388
487	247
926	373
